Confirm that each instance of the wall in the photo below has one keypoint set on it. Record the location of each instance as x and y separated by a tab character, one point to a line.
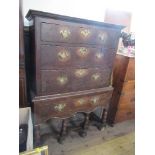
88	9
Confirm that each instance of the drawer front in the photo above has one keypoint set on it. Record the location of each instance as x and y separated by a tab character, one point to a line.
128	87
122	106
89	102
123	115
67	32
56	57
61	81
130	73
127	98
125	87
47	109
67	106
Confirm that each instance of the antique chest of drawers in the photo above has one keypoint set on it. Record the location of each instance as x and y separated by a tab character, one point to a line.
71	65
122	105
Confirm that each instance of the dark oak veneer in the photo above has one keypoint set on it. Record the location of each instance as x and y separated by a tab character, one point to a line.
71	64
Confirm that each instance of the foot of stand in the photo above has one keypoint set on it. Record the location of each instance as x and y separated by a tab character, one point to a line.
61	139
83	133
62	135
100	123
101	127
111	124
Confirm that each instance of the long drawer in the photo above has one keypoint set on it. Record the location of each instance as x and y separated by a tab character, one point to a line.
67	32
61	81
67	105
58	56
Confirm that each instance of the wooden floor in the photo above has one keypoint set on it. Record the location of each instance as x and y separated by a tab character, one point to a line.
123	145
117	140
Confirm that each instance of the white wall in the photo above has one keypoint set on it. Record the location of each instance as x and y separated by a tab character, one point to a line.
88	9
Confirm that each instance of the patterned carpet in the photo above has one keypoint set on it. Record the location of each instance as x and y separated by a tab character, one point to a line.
123	145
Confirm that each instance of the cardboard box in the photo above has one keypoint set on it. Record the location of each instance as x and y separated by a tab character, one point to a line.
25	118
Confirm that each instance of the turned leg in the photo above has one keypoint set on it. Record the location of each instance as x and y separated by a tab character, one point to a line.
83	132
104	116
63	131
103	119
100	121
86	122
37	141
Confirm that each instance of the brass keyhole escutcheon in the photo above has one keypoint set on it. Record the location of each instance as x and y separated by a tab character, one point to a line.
99	55
102	36
81	101
96	76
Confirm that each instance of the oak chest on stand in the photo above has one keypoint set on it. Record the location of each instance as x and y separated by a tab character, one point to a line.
71	65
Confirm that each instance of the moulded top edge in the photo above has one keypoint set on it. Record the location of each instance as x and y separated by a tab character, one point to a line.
33	13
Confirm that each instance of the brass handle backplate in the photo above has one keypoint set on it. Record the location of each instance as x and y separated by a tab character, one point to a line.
63	55
60	107
81	101
95	100
81	72
65	33
85	33
99	55
96	76
82	52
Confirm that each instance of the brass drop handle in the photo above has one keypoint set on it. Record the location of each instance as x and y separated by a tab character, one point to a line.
81	72
81	101
95	76
63	55
82	52
65	33
60	107
95	100
85	33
